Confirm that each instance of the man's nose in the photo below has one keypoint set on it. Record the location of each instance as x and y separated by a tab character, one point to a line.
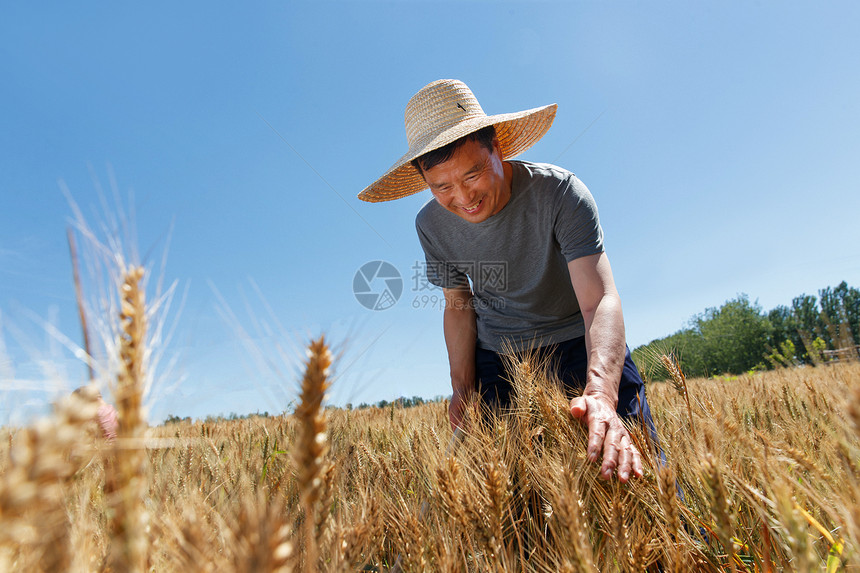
465	195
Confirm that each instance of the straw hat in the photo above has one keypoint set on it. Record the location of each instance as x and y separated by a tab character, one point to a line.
443	112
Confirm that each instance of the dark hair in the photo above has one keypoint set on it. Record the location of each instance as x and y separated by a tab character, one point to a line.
431	159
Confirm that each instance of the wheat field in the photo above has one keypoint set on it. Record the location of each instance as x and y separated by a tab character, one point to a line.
761	474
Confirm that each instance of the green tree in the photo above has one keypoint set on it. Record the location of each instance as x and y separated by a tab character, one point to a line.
807	315
687	344
735	336
840	313
784	327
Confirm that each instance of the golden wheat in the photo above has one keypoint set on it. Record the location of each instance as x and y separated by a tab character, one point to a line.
771	469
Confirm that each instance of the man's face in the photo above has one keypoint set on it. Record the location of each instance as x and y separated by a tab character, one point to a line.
474	183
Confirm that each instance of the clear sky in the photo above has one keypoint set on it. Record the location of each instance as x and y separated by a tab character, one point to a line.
720	141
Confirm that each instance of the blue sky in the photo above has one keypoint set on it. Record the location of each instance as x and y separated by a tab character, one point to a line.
719	141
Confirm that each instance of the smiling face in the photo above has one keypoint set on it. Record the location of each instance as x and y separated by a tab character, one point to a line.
474	183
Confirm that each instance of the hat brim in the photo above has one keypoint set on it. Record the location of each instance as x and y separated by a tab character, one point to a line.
516	133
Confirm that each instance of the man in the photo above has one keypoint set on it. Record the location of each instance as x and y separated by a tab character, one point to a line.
528	238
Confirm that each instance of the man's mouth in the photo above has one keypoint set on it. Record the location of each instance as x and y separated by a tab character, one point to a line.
473	208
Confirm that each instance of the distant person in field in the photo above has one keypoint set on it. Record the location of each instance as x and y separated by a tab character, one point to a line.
527	237
106	417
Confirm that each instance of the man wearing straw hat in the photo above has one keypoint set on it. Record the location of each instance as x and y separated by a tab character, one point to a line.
527	237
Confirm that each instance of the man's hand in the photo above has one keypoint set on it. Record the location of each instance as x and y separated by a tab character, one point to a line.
608	434
457	408
600	304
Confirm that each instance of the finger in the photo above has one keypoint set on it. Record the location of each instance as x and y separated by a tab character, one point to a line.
578	407
611	449
638	470
625	459
596	438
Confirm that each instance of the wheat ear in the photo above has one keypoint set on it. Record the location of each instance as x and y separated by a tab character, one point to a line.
720	507
572	518
679	381
126	474
311	444
669	502
43	461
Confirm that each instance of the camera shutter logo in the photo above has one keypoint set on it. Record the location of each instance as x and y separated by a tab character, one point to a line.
377	285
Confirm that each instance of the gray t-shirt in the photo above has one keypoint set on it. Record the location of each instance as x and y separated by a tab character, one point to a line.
517	259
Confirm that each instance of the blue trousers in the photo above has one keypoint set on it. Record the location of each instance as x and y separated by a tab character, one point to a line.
569	362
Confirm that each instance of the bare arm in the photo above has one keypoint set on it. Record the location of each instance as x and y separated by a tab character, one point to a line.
605	343
604	324
460	336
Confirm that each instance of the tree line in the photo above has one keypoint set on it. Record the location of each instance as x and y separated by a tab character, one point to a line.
740	336
401	402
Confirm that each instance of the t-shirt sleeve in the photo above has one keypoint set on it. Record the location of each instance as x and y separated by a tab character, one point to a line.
440	272
577	225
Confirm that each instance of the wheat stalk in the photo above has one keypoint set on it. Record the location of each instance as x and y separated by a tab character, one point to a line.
312	445
669	503
720	507
43	461
679	381
126	473
570	512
